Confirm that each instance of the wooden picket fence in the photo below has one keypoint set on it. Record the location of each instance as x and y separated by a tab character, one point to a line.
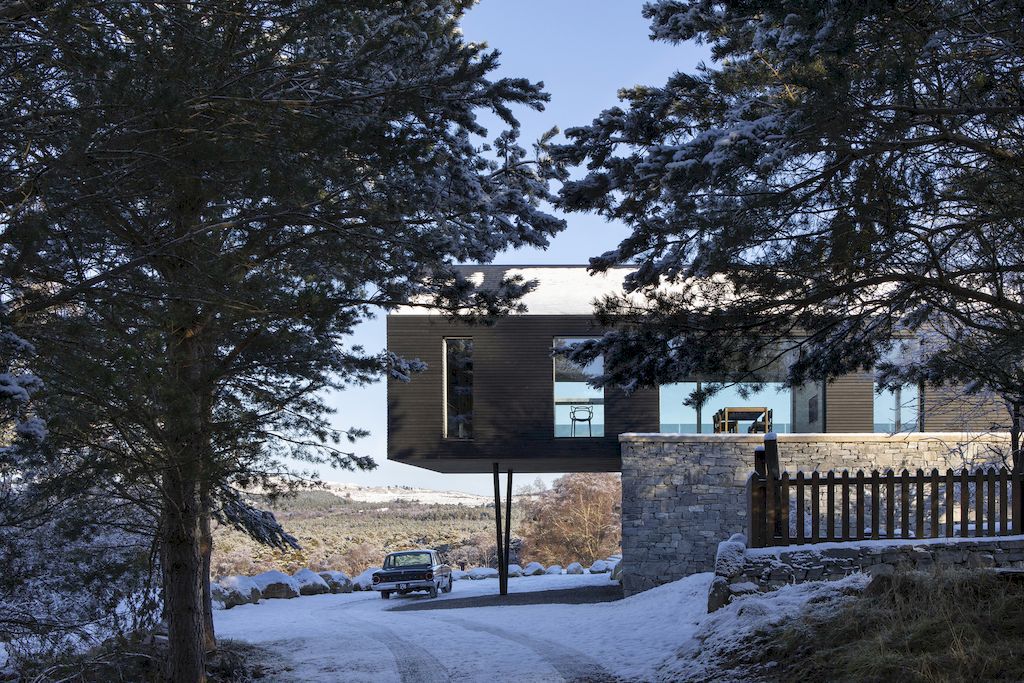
788	510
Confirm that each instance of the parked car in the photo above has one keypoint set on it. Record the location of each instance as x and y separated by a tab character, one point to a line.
413	570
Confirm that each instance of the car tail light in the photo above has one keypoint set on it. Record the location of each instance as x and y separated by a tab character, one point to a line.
376	578
428	575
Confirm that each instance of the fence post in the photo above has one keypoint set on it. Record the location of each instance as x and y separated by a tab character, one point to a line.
1003	515
1015	481
991	476
950	502
755	510
876	522
860	504
800	534
979	503
771	455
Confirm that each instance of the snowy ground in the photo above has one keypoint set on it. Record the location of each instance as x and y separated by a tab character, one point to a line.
353	637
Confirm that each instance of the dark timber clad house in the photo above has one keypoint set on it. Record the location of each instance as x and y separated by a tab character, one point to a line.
493	398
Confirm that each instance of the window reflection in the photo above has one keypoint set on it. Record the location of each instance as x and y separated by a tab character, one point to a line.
897	410
678	418
579	407
458	358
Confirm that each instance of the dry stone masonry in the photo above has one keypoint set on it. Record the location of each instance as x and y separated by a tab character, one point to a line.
740	570
683	493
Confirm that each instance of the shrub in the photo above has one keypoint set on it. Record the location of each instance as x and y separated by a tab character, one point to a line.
577	519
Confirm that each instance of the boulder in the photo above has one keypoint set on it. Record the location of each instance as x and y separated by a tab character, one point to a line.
574	568
719	594
338	582
617	571
310	583
364	581
459	574
533	569
478	573
731	557
600	567
232	591
554	569
515	570
276	585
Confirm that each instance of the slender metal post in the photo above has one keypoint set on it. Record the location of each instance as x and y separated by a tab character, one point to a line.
508	531
502	570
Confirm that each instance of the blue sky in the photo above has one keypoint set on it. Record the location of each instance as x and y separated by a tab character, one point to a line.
584	51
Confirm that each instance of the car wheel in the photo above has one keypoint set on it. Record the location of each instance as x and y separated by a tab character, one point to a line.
385	594
433	591
448	586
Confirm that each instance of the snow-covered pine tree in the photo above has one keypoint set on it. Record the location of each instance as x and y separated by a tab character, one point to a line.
96	583
843	173
202	200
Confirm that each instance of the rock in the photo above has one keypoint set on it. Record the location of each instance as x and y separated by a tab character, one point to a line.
718	594
458	574
881	570
574	568
879	585
730	558
338	582
310	583
617	572
478	573
364	582
600	567
515	570
276	585
232	591
533	569
980	560
554	569
744	588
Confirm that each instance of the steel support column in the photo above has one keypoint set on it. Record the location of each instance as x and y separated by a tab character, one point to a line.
502	565
508	530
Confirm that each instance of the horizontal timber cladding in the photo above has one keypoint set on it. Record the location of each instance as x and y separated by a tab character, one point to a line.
513	399
948	408
849	404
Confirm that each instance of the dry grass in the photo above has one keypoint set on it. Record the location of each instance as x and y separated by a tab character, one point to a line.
336	533
943	626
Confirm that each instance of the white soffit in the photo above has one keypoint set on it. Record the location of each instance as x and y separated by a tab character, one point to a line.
560	290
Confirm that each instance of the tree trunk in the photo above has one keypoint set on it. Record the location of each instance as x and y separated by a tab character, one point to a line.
206	550
183	585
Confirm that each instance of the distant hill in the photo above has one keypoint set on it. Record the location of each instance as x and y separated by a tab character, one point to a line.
408	494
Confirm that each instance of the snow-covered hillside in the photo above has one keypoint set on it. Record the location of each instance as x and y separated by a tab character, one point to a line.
408	494
387	494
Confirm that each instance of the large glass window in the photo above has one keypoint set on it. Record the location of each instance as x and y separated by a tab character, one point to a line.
458	388
747	409
897	410
579	407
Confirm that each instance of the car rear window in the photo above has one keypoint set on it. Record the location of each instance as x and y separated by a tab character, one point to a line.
406	560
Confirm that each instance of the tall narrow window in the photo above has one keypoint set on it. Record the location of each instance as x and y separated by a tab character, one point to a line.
897	410
579	407
458	388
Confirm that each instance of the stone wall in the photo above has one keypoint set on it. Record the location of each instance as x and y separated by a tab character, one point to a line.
682	493
740	570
